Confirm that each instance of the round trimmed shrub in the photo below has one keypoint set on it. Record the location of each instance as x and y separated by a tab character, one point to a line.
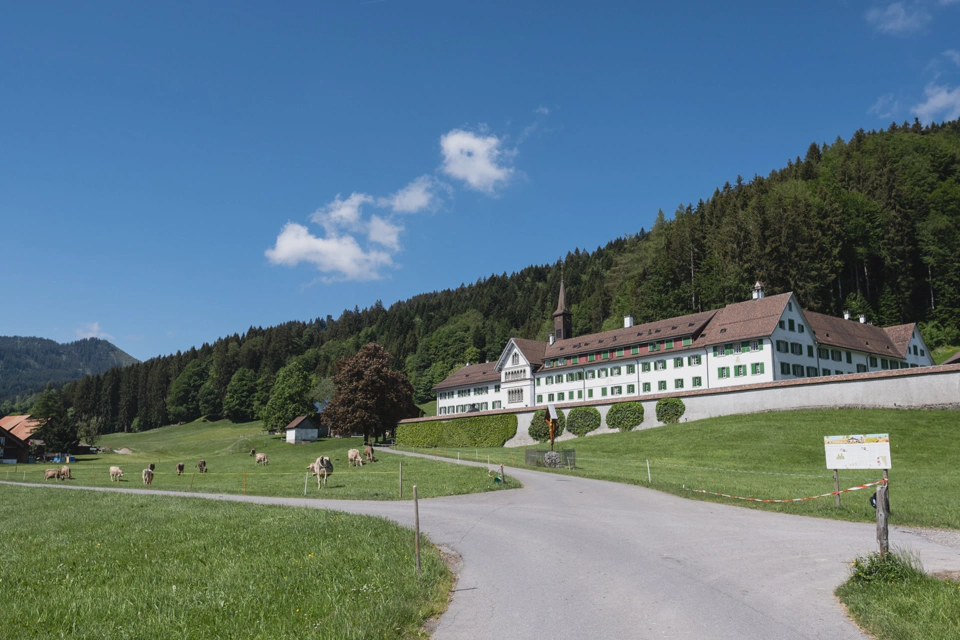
625	416
669	410
540	430
583	420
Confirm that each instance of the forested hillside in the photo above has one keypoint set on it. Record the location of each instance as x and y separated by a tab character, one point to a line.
871	225
28	364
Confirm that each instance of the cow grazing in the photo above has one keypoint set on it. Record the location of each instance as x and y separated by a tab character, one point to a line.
368	453
202	466
354	459
322	468
262	459
52	473
147	477
115	474
152	467
65	473
253	452
179	468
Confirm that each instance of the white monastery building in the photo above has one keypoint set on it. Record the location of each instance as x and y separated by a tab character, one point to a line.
765	339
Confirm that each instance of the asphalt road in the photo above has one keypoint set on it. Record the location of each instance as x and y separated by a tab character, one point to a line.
574	558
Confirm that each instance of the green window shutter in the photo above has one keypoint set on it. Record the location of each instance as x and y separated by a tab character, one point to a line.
634	350
759	345
687	342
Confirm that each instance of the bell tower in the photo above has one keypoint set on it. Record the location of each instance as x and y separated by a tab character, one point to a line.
562	318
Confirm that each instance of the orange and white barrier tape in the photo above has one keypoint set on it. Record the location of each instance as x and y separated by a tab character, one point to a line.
822	495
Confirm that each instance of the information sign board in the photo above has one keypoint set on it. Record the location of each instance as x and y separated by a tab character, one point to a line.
870	451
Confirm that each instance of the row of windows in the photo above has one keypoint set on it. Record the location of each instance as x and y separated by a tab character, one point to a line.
616	390
515	374
790	325
737	347
514	396
651	347
465	393
630	369
740	370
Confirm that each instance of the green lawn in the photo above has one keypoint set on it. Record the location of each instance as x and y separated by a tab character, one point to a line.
226	447
429	408
779	455
940	354
901	603
102	565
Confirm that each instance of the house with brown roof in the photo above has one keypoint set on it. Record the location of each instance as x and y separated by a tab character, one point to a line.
21	427
765	339
13	450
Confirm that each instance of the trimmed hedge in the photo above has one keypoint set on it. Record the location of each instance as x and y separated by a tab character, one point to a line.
583	420
540	430
625	416
479	431
669	410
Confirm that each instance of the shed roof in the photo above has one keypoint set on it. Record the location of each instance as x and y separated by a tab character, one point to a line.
21	426
298	423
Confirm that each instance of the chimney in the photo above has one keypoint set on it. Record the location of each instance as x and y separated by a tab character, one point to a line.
627	322
757	290
552	338
863	318
846	314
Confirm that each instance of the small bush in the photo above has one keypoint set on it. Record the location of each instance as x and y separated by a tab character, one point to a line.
891	568
583	420
540	430
625	416
479	431
669	410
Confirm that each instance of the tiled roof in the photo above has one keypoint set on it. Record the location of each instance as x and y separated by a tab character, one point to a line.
471	374
851	334
639	334
745	320
900	336
12	439
532	350
296	422
954	359
20	426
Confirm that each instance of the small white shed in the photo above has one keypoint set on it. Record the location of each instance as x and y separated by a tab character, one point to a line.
301	430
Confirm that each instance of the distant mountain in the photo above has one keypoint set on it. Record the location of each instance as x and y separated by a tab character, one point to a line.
28	364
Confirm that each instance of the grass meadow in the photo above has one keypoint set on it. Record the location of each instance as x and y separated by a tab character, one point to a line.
778	456
226	447
98	565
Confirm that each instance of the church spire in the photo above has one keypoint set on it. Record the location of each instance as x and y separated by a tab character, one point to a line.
562	302
562	318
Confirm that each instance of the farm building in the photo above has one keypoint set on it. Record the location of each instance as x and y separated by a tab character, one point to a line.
13	450
304	429
21	427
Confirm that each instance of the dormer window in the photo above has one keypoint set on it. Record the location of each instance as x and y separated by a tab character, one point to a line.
515	359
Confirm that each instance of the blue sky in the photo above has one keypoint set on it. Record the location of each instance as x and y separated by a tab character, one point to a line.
171	174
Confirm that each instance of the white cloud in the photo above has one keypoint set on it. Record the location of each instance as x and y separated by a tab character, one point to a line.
542	111
475	159
942	103
418	195
885	106
898	18
342	214
92	330
335	254
952	55
384	232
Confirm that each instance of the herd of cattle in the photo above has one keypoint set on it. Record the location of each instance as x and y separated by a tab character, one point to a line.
322	467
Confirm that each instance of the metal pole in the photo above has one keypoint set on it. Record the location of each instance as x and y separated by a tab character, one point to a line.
649	478
416	526
836	485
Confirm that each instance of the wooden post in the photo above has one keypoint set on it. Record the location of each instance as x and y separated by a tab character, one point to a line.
511	460
306	476
416	526
244	483
401	479
458	457
836	485
503	476
886	483
883	535
649	477
191	480
94	477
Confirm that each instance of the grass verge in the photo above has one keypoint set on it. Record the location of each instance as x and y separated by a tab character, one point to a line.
893	599
226	447
778	456
104	565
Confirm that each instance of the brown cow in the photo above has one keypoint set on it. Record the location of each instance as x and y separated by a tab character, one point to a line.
368	453
52	473
354	458
115	474
65	473
202	466
322	468
179	468
262	459
147	477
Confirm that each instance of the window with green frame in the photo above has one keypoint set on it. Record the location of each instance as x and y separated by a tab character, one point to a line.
678	362
575	359
631	368
660	365
620	352
756	368
697	381
605	355
634	350
646	387
560	396
549	397
589	393
603	391
873	361
539	399
678	383
669	344
694	361
662	385
631	388
740	370
591	357
538	382
645	366
653	346
723	372
728	349
687	342
785	368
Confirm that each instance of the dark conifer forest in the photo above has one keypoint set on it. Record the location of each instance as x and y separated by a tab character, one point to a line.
870	225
